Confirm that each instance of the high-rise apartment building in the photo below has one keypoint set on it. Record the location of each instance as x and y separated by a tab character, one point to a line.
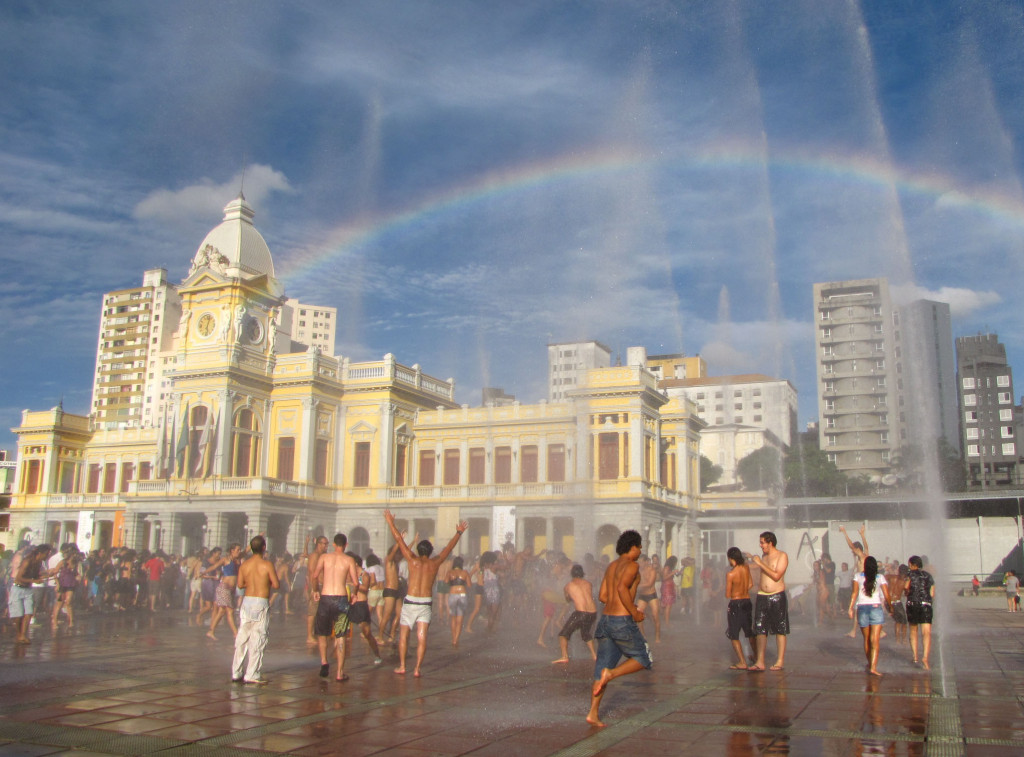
885	375
568	362
984	382
857	379
135	324
313	325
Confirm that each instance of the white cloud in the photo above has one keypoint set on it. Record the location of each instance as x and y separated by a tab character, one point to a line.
961	301
205	198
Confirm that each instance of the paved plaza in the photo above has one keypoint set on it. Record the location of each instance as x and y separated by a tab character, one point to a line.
145	683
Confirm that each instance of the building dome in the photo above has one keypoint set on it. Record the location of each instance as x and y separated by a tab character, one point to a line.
242	250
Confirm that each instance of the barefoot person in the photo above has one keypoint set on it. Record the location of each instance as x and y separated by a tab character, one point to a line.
580	592
871	593
618	634
647	594
256	576
739	616
312	558
458	586
920	590
860	551
359	612
339	574
416	606
771	613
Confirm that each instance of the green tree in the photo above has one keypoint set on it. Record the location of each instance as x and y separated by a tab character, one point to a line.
910	466
709	473
761	470
809	473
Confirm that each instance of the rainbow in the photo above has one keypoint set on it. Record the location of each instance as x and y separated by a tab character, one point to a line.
576	166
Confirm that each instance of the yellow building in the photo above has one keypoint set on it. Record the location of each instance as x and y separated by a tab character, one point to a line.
256	438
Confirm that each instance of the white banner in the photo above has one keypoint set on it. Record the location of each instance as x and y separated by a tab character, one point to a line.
86	529
503	526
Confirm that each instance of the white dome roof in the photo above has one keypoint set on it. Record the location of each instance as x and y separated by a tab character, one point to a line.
237	240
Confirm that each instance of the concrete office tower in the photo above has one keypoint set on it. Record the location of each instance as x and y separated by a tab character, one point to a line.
135	324
857	388
926	374
569	361
984	382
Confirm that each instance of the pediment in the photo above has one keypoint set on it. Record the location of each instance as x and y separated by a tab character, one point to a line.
362	428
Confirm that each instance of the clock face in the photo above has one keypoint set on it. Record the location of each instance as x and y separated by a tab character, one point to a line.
254	331
206	324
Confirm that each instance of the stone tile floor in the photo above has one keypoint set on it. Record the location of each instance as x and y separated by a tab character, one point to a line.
143	684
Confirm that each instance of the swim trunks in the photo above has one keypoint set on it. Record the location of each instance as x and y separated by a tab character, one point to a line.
899	613
581	621
391	593
415	610
359	612
771	614
646	597
739	617
209	589
331	616
619	636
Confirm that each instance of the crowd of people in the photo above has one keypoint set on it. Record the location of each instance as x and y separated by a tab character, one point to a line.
345	596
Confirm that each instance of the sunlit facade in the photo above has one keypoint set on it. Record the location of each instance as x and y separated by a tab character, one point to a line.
250	436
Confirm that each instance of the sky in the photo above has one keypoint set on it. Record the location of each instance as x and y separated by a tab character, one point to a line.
468	182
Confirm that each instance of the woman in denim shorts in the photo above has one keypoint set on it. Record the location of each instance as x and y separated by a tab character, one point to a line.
871	600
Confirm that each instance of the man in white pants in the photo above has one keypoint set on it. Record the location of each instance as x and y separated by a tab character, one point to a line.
257	577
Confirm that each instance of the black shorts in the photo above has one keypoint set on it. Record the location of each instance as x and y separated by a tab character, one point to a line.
739	617
359	612
390	593
581	621
919	614
771	614
328	612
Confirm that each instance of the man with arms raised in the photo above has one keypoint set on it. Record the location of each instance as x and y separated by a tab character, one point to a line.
618	634
339	574
257	577
771	612
422	573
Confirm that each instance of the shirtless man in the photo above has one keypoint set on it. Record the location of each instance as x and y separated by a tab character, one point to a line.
319	548
739	616
580	592
422	574
647	594
618	634
392	594
771	613
338	574
860	551
257	577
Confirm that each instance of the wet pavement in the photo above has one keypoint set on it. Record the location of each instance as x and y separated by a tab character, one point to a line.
142	684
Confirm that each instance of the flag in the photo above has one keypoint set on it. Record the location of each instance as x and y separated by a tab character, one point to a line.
167	461
211	448
199	464
161	454
182	444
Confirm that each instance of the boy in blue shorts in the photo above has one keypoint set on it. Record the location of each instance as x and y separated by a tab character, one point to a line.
618	634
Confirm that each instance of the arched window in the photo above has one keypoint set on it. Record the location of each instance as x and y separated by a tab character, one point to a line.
245	457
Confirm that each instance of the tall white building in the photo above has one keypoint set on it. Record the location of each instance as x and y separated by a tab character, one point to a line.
312	325
885	375
135	324
568	362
